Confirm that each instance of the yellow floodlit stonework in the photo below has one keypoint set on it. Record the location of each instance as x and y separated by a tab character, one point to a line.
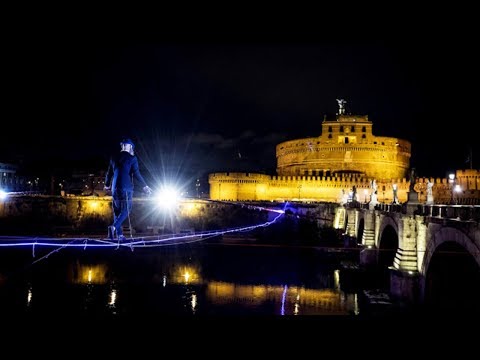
344	157
345	146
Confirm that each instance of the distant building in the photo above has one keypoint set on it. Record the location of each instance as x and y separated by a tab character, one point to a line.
347	161
85	183
9	180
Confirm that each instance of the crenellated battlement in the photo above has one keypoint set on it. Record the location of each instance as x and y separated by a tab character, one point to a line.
254	187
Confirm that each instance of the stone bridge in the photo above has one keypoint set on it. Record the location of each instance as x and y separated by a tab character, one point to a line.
429	250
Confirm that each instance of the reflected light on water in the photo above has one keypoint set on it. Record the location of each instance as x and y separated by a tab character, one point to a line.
336	279
185	275
91	274
113	297
284	296
297	306
243	286
194	302
356	310
29	296
290	299
296	309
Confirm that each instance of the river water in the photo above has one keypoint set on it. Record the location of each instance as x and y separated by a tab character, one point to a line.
200	279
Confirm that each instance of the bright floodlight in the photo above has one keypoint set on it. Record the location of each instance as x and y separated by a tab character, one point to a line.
167	197
3	194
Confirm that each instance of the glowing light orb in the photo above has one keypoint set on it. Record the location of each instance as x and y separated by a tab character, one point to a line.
168	197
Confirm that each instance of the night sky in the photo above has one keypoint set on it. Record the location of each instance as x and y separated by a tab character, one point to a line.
198	104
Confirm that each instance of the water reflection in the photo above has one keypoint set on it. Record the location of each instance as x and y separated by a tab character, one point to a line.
291	300
284	296
288	300
29	297
195	282
296	309
113	298
89	274
336	279
186	274
194	302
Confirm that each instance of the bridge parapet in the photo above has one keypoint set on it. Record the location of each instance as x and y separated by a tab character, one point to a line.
458	212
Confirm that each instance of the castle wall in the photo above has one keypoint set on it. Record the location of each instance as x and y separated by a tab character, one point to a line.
256	187
468	179
444	189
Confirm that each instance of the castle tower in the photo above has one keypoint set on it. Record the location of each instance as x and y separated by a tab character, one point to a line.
346	145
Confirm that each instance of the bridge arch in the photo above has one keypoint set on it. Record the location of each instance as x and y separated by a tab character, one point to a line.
449	234
387	246
386	223
360	229
451	270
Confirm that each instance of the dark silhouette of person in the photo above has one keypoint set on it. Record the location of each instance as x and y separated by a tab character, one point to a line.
122	169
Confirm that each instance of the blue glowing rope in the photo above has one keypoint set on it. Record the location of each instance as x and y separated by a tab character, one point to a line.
145	241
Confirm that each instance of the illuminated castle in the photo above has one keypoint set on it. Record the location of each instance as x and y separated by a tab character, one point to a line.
345	157
346	146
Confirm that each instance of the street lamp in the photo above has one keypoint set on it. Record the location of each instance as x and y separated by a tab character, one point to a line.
197	186
457	189
451	180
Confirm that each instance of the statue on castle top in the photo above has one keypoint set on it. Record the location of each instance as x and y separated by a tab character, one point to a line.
429	187
429	192
354	193
343	197
395	194
373	201
412	179
341	106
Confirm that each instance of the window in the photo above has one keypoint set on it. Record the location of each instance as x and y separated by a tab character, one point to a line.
341	128
329	129
352	129
364	129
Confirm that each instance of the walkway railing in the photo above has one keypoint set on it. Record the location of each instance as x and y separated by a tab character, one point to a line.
456	212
